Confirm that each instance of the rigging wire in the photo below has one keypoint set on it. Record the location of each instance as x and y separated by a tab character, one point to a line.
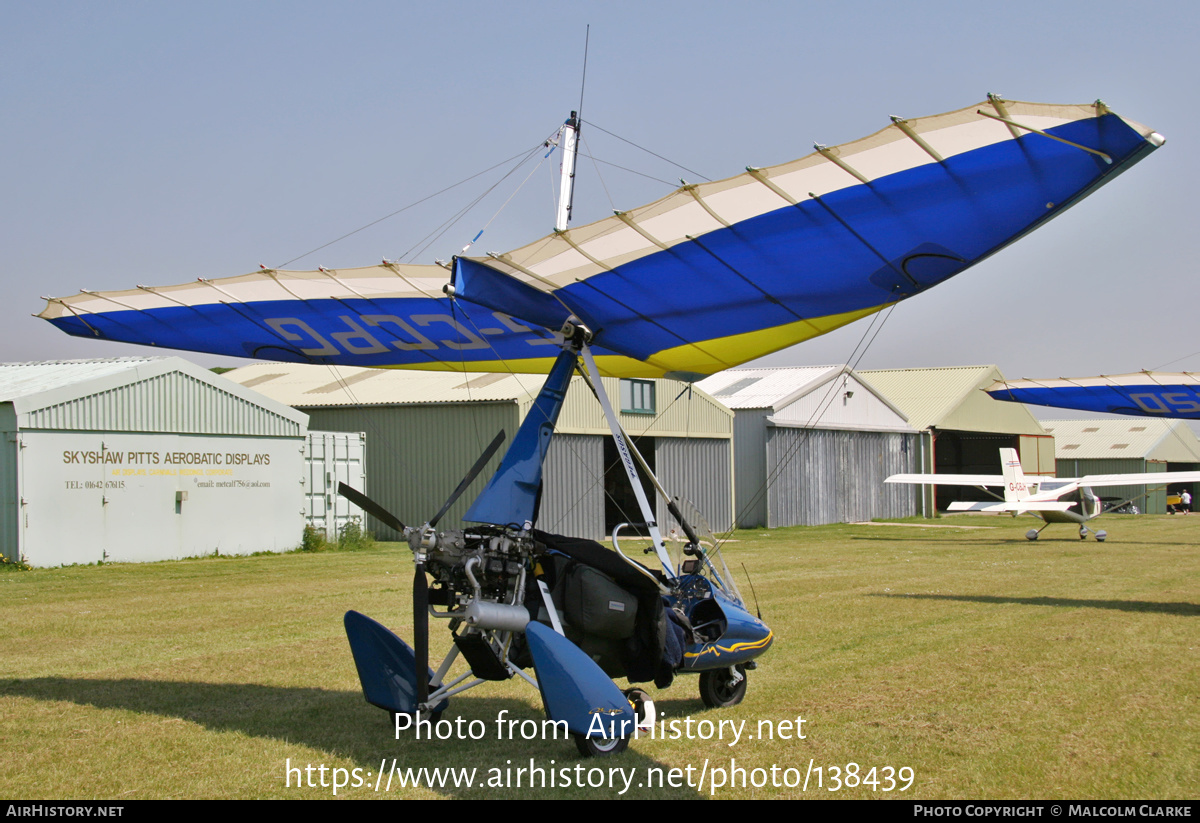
856	356
673	184
651	493
655	154
1176	360
612	205
438	232
503	205
522	157
401	210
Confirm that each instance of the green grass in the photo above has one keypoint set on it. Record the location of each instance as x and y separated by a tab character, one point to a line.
990	666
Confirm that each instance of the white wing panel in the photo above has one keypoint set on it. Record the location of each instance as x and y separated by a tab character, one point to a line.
948	479
688	218
745	201
822	178
889	158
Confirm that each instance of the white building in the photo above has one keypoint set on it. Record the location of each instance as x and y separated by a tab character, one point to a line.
1127	445
143	459
813	445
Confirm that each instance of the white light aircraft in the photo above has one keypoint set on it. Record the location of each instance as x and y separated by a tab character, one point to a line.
1053	499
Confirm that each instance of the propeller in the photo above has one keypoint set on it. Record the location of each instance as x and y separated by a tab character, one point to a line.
371	507
421	540
469	476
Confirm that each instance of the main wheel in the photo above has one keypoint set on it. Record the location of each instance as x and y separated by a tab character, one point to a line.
600	746
643	708
719	688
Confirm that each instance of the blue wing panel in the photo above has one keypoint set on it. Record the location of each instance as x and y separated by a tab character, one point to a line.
378	332
1149	400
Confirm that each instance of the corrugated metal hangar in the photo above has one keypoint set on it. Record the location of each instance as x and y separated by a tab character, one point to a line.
963	427
425	429
143	459
1130	445
813	446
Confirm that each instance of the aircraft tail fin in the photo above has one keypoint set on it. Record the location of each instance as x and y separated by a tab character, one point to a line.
1015	487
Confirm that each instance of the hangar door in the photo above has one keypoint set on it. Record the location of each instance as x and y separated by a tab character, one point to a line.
958	452
827	476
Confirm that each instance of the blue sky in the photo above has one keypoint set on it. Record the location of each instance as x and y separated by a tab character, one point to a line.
153	143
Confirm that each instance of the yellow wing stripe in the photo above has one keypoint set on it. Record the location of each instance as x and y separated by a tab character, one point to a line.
701	358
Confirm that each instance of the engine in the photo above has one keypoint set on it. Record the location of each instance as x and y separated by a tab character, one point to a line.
480	573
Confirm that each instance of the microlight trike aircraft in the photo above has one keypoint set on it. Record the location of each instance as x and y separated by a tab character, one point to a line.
708	277
1053	499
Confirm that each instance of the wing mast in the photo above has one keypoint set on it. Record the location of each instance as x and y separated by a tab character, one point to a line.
569	141
625	447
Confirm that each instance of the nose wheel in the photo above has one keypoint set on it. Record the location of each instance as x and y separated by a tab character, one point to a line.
723	687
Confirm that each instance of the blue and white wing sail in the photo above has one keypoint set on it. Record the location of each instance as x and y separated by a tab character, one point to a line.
709	277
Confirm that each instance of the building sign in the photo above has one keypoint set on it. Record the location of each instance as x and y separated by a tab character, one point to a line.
88	496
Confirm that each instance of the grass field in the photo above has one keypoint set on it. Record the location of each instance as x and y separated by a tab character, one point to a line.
990	666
